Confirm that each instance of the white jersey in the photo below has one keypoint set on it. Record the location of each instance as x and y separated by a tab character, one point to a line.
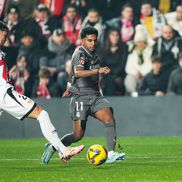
14	103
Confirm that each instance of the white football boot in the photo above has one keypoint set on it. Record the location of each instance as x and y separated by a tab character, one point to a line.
70	152
115	156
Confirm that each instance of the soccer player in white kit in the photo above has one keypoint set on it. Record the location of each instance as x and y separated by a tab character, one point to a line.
21	106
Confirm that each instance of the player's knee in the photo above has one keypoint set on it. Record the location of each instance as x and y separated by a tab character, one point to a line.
108	118
110	123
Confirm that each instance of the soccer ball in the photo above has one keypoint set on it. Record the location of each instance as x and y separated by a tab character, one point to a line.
96	155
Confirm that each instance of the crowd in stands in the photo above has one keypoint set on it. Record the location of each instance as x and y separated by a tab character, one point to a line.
139	40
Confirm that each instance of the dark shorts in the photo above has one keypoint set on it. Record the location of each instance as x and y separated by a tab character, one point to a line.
83	106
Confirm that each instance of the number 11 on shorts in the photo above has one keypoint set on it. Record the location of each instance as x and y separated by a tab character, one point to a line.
79	105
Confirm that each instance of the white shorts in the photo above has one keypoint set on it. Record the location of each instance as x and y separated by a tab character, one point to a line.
17	105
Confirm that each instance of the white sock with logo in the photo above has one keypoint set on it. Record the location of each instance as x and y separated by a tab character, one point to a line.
49	132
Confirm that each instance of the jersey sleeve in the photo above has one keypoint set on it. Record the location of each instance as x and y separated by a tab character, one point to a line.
79	60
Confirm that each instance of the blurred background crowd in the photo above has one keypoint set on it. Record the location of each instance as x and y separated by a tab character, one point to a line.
140	40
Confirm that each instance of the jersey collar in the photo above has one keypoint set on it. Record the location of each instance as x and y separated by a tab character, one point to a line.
87	51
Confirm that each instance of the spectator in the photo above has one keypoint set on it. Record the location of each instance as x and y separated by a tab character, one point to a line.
2	9
44	87
174	4
55	6
125	23
72	24
25	6
15	25
30	48
20	76
139	60
93	19
43	24
174	19
168	48
109	8
55	56
155	82
82	6
152	20
166	6
114	55
175	80
11	53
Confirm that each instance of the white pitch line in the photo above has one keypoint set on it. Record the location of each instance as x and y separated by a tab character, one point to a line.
16	159
130	157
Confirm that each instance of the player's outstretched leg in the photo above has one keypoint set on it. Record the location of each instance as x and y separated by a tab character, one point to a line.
67	140
51	135
50	150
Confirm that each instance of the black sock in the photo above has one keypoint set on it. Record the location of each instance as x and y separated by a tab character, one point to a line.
68	139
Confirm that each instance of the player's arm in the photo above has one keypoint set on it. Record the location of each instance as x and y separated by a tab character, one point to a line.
80	72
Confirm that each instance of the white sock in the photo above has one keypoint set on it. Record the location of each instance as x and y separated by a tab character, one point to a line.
49	132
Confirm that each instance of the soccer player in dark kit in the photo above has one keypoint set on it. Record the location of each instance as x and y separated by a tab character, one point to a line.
86	97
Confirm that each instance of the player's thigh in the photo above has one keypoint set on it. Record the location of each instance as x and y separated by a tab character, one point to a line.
16	104
101	109
35	112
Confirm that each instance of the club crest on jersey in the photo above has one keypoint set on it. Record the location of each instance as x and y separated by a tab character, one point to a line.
82	61
78	114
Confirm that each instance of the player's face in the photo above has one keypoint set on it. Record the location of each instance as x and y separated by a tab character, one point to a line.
90	42
3	36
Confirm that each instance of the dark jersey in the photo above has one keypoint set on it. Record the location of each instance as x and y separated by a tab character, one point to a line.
88	61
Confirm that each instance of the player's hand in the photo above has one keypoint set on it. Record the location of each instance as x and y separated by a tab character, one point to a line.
66	93
105	70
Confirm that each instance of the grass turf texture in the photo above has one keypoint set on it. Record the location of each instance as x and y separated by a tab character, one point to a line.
148	159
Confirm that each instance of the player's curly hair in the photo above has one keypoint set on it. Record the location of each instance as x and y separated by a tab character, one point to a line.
88	31
3	27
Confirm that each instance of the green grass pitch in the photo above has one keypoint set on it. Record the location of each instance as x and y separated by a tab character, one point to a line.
148	159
